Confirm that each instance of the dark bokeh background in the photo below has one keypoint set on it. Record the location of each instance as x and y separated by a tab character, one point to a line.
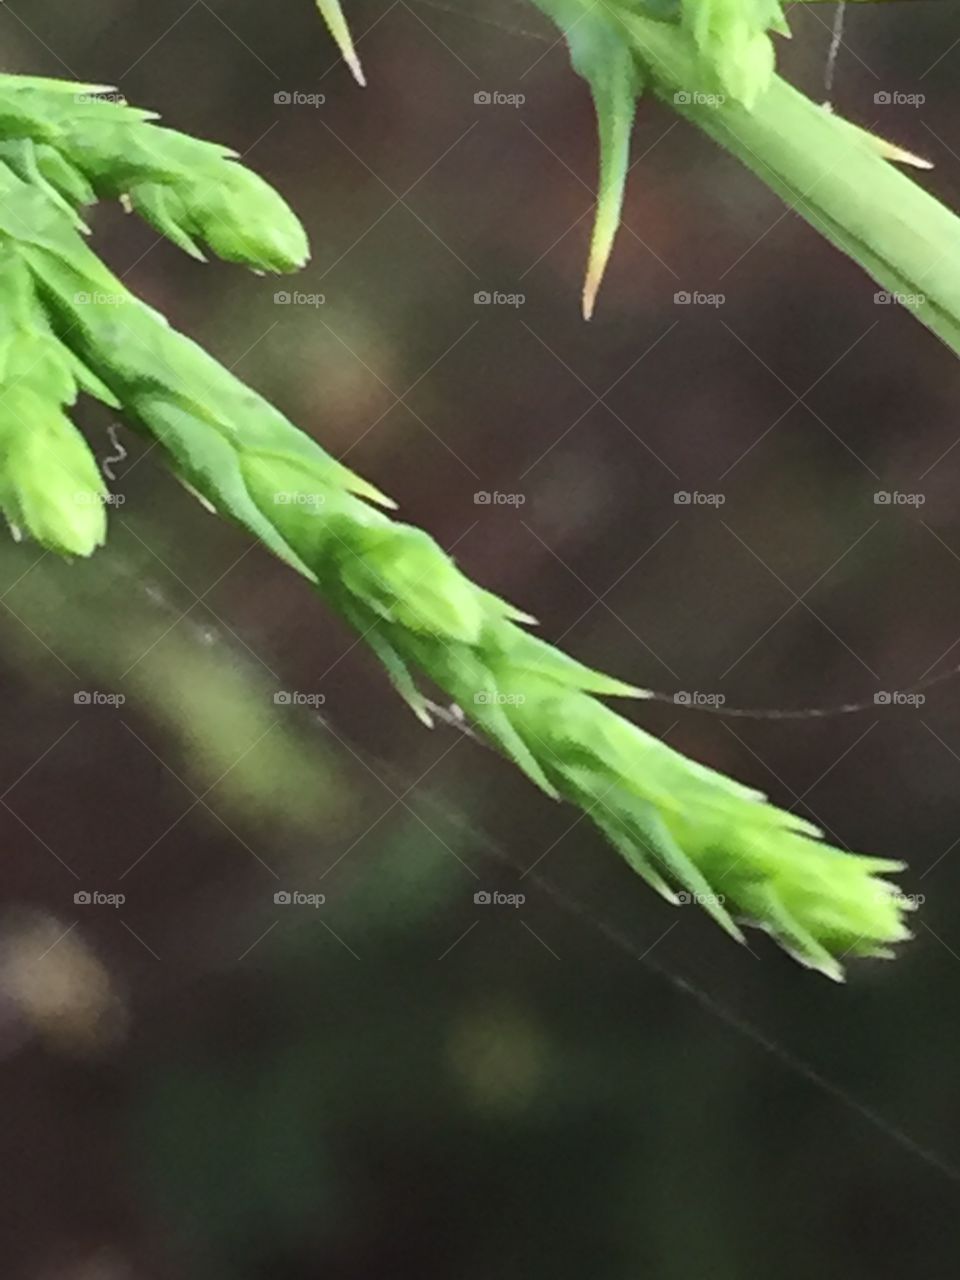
202	1082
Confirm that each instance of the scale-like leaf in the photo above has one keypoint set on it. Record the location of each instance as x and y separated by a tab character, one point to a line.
603	58
332	15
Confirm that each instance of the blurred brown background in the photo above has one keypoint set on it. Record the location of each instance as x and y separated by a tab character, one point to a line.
204	1081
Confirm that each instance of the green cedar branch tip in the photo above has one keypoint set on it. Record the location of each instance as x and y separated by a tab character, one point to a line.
79	146
689	831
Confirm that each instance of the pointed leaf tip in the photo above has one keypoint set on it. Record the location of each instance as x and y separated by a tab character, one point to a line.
614	100
353	62
900	155
332	15
891	151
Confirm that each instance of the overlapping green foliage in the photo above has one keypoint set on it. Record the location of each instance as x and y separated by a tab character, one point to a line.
679	824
